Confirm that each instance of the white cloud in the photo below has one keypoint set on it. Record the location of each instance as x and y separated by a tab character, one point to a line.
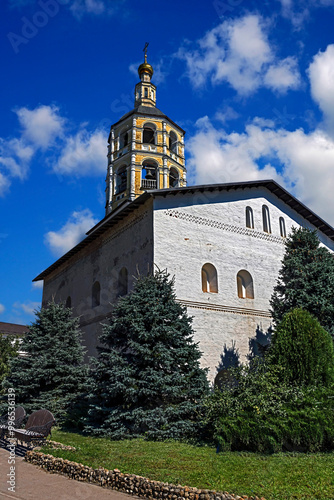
81	7
299	11
38	285
83	154
41	126
2	308
305	160
238	52
71	233
28	307
283	75
321	74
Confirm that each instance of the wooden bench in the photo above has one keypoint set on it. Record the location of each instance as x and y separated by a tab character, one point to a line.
37	428
18	419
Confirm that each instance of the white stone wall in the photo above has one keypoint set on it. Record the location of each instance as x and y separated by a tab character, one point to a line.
191	230
128	244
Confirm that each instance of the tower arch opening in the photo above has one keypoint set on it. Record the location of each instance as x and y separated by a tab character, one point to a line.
173	177
121	179
149	133
149	174
173	142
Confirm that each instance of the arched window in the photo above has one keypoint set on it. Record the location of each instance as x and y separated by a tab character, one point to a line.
96	293
123	140
173	178
173	142
209	278
245	285
121	179
249	218
68	302
149	134
123	282
282	227
146	92
149	174
266	219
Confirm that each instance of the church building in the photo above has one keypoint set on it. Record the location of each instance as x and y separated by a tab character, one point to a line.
223	242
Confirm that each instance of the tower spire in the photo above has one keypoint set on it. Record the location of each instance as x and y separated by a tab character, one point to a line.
145	91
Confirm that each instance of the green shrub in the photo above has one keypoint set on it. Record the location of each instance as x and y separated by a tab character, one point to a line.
303	349
262	414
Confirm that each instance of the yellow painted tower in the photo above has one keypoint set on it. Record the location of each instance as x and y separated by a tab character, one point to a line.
145	148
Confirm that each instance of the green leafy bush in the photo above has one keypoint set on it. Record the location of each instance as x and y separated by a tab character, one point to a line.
303	349
260	413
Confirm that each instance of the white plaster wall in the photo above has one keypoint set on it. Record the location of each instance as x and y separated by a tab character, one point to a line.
128	244
189	231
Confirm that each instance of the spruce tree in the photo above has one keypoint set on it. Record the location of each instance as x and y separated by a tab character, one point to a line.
306	279
8	349
148	381
51	374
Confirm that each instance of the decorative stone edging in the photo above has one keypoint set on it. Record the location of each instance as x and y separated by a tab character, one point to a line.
127	483
58	446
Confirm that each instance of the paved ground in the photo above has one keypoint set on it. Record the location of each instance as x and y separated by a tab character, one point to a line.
33	483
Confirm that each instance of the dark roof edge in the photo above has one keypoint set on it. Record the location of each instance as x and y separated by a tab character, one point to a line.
125	209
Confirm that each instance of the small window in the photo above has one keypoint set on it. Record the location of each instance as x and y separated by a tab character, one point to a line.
148	135
68	302
96	293
173	177
173	142
266	219
249	218
146	92
123	282
282	227
209	278
245	285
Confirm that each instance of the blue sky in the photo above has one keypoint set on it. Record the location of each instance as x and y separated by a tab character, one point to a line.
252	83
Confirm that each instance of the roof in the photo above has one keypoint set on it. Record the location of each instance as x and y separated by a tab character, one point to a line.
147	111
127	207
13	329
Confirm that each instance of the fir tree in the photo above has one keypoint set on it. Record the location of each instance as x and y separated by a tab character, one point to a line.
51	374
306	279
148	381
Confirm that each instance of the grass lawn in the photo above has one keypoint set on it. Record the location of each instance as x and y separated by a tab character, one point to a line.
276	477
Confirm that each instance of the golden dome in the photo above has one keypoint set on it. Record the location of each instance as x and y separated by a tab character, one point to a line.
145	67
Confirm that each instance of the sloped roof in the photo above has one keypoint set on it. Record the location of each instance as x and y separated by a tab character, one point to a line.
147	111
127	207
13	329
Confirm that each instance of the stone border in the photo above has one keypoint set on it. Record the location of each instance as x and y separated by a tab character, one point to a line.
127	483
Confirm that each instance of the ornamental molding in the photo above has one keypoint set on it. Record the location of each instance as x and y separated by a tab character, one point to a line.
226	309
223	226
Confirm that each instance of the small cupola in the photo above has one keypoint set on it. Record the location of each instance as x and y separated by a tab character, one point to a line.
145	91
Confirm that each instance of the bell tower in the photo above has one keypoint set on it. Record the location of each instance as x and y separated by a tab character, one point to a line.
145	147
